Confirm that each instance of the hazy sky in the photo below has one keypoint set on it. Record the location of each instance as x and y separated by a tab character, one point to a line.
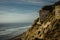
12	11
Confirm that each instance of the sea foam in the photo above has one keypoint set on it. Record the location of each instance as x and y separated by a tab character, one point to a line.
12	30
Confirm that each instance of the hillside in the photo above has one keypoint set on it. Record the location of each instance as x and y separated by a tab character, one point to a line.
48	29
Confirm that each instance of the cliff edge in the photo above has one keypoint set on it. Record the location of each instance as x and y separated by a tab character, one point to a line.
44	28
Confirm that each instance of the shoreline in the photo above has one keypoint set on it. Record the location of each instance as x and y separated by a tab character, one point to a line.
18	36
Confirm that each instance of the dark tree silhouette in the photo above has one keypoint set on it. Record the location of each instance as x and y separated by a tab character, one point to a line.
57	3
48	8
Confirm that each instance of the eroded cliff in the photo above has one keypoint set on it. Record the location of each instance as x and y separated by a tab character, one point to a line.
48	30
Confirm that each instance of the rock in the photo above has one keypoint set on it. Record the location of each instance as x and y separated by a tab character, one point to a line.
48	30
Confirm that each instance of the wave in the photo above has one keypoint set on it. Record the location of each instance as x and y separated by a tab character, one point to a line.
13	30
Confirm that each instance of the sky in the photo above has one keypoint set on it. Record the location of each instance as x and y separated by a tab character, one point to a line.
21	11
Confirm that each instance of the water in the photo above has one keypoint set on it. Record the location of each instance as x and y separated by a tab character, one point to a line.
10	30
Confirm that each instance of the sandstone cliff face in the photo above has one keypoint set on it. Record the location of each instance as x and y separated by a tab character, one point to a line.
48	30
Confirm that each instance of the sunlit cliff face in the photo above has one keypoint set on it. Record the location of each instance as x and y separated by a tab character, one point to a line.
57	12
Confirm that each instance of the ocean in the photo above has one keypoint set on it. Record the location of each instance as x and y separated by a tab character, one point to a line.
10	30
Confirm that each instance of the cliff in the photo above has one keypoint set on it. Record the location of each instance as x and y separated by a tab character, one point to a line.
49	29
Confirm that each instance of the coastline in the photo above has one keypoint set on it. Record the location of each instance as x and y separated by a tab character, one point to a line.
18	36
